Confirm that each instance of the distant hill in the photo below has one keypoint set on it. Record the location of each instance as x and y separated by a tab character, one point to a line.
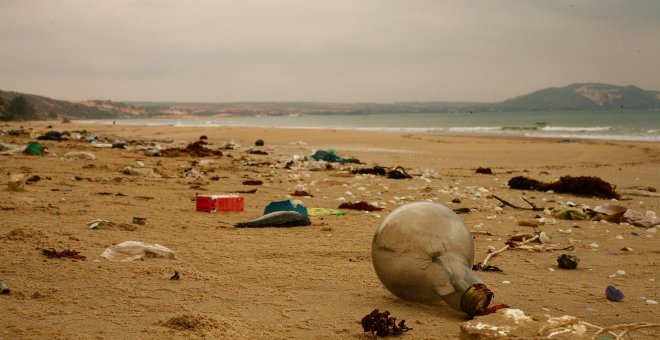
47	108
575	97
584	97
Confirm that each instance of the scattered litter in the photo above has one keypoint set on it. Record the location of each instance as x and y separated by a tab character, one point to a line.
566	261
175	276
79	155
213	203
286	205
277	219
324	211
145	172
613	294
330	156
69	253
487	268
582	185
485	171
594	245
139	220
382	324
566	212
34	148
4	290
651	302
364	206
259	142
462	210
133	250
16	182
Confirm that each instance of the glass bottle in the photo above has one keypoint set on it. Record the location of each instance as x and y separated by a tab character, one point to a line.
423	252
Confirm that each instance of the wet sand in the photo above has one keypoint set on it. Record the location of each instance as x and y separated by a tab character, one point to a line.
313	282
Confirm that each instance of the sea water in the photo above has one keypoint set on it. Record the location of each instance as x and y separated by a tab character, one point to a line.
604	125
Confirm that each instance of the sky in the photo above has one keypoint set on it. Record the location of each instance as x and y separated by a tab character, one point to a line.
330	51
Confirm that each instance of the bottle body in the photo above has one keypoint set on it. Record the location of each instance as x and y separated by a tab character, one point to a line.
424	252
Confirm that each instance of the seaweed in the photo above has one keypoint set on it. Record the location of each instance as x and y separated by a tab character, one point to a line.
397	173
580	185
382	324
54	254
359	206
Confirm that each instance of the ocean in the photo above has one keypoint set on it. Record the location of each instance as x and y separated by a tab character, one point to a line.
624	125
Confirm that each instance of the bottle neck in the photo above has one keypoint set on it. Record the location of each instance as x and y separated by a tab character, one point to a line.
476	299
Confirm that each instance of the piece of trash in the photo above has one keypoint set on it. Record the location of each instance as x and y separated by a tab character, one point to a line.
277	219
382	324
69	253
330	156
34	148
213	203
259	142
566	212
139	220
613	294
361	205
582	185
443	271
620	272
133	250
95	223
487	268
545	238
485	171
286	205
253	182
175	276
79	155
145	172
4	290
324	211
566	261
594	245
608	212
16	182
651	302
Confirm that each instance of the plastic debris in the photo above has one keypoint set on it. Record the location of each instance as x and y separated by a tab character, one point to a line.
34	148
324	211
286	205
139	220
330	156
4	290
277	219
133	250
79	155
613	294
16	182
145	172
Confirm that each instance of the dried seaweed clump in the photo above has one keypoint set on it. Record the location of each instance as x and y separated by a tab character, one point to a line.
364	206
189	322
581	185
382	324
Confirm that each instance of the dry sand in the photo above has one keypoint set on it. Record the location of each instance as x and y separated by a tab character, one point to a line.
313	282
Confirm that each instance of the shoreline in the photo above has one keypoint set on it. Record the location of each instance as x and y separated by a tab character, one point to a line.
304	282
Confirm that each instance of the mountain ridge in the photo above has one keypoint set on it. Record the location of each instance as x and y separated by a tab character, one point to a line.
573	97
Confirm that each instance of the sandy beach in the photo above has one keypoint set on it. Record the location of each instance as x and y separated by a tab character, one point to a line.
311	282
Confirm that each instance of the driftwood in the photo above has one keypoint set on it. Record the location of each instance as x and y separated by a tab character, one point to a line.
533	206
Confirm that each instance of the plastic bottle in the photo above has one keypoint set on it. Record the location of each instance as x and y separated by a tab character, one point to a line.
423	252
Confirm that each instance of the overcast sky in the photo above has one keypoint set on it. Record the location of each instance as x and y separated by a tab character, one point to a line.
330	50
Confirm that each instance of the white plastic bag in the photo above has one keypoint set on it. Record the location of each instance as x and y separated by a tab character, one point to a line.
133	250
